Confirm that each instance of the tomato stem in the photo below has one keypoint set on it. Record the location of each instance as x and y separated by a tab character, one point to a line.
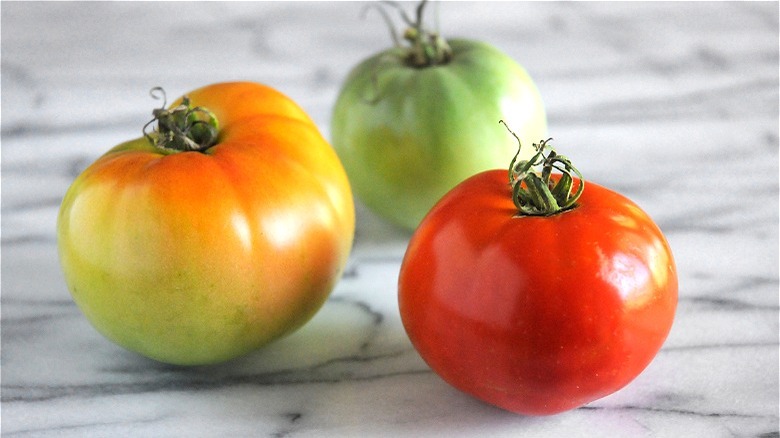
533	192
426	48
182	128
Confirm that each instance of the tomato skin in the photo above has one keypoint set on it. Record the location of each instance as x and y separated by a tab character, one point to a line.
537	315
199	257
407	135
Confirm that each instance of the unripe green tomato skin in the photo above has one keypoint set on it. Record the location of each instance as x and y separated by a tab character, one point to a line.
408	135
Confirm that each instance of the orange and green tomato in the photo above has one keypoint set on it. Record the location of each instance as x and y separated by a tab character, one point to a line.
194	257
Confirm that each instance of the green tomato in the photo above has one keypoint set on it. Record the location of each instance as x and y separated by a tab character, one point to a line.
407	134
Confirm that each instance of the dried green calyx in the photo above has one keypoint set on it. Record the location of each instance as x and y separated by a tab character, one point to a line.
182	128
425	48
534	193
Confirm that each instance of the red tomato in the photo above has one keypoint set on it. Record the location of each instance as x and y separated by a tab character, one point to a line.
537	314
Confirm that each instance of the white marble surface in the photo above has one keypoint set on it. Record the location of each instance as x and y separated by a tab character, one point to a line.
673	104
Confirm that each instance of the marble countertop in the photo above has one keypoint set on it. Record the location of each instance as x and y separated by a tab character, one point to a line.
673	104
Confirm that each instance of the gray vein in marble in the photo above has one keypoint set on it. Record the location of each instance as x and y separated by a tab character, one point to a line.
86	426
184	382
676	411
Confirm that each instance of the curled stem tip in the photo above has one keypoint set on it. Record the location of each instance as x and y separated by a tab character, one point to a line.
534	193
426	48
182	128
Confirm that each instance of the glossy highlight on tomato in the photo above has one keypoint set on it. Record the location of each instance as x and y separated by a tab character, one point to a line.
537	314
199	256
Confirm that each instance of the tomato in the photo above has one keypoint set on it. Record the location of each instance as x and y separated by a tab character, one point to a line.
410	123
201	255
537	313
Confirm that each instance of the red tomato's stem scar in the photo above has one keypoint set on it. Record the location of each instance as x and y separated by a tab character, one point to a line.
533	192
